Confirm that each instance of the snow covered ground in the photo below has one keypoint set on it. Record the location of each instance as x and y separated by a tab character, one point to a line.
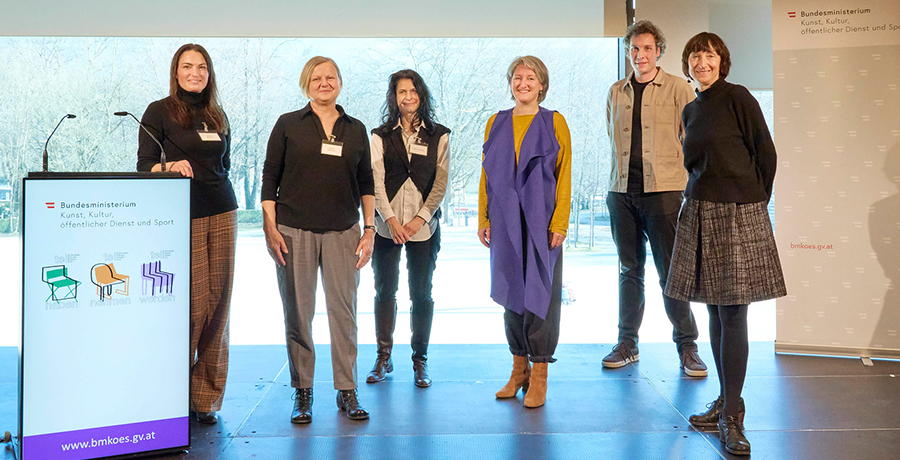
464	312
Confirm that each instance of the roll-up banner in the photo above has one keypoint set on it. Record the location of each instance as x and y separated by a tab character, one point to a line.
837	130
106	316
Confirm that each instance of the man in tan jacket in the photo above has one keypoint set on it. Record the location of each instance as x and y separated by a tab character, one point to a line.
647	178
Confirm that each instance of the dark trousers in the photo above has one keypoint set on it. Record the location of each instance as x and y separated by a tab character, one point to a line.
635	219
529	335
421	258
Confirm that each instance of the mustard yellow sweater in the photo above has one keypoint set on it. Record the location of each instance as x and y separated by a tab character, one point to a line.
559	223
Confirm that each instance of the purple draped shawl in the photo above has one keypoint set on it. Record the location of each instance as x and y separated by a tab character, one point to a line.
521	200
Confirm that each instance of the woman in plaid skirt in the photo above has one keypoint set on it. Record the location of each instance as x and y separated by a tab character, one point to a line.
725	254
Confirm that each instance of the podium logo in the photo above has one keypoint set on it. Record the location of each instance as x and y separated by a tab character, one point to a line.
50	204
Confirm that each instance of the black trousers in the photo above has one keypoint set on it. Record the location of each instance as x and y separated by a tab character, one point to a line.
529	335
421	259
636	219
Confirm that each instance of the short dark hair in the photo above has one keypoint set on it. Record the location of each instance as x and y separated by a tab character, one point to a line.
645	27
706	41
391	109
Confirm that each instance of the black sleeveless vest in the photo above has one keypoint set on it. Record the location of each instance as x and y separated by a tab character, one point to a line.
398	166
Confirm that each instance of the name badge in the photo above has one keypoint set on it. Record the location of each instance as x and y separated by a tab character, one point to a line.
418	148
209	136
332	148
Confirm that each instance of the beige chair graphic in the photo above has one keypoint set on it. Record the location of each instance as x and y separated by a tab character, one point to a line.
104	276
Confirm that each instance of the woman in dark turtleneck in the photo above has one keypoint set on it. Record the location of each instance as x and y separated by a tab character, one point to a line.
193	129
725	254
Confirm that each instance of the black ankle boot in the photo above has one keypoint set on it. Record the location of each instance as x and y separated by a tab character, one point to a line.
731	433
710	418
347	401
206	418
383	365
302	413
420	374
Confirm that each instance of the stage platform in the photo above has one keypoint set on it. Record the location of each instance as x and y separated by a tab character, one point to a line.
798	407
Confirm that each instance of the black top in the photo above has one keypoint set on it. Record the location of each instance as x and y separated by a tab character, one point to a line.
314	191
636	161
728	152
211	191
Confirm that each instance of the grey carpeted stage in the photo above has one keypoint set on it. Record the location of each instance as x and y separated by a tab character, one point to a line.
798	407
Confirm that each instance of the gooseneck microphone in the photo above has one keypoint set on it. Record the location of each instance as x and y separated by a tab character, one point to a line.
51	135
162	152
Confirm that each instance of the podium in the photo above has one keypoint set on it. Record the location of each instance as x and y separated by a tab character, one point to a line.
104	369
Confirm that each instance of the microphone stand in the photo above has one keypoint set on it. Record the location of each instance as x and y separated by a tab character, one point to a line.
162	152
44	169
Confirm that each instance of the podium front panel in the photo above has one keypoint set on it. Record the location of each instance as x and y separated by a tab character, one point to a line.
106	316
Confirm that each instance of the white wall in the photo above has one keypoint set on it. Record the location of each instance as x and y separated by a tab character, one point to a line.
272	18
744	25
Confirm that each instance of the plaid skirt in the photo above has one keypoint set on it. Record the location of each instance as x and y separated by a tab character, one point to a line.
724	254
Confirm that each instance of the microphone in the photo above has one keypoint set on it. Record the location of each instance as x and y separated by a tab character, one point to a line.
51	135
162	152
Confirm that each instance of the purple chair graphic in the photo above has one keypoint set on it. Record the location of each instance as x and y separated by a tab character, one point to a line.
152	272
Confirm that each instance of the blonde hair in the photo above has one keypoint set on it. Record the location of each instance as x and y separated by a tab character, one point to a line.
308	70
539	69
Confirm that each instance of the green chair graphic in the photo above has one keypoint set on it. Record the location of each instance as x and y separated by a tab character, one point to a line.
61	286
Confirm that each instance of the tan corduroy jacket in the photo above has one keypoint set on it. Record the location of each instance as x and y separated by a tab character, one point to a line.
662	132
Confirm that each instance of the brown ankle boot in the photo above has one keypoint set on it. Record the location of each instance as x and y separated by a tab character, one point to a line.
518	379
537	388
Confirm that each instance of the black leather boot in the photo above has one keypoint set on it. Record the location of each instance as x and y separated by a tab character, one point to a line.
710	418
347	401
731	433
302	413
385	320
420	319
420	374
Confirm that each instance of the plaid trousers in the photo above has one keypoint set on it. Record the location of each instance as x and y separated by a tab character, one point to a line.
212	273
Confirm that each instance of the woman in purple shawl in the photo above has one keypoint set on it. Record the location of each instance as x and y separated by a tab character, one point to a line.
523	215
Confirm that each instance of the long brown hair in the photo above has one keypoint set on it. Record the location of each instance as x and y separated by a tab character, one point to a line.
179	109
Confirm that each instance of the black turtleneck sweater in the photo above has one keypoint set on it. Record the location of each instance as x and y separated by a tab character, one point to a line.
728	152
211	191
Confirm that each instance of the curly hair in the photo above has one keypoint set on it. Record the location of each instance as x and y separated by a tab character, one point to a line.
645	27
391	109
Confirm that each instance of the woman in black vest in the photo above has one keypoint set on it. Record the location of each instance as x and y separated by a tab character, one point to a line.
410	164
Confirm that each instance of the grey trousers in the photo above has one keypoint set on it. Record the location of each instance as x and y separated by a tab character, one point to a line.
333	253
